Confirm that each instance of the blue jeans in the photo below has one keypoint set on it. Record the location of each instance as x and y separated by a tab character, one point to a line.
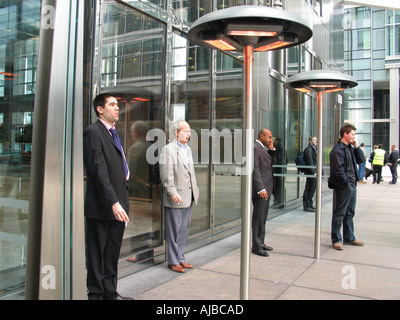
344	207
361	170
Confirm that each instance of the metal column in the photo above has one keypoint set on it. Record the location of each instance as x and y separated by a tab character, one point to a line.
318	210
246	175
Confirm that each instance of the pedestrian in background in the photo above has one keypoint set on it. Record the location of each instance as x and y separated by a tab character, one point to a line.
361	166
310	159
379	159
392	163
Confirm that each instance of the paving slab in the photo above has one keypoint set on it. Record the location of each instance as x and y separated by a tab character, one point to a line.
277	267
372	255
203	284
353	279
301	293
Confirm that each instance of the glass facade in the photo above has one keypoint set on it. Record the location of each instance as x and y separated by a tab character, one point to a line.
139	51
371	44
19	43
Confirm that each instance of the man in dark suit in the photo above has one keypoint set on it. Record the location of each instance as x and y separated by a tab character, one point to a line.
392	163
106	201
310	159
263	181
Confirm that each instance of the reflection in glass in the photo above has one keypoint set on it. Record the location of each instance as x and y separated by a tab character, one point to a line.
131	64
190	90
18	60
228	116
275	122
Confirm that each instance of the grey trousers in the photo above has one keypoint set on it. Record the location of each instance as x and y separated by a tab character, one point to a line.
177	225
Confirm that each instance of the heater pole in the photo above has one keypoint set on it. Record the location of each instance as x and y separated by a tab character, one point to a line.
319	181
247	174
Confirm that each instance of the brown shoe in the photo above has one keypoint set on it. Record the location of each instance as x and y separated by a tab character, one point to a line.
357	243
176	268
338	246
186	265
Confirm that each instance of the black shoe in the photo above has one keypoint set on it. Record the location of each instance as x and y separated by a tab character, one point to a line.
262	253
309	209
267	248
118	297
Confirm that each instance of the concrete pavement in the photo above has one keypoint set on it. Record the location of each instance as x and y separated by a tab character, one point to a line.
291	272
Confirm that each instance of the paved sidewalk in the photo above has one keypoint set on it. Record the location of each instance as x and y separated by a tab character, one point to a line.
291	272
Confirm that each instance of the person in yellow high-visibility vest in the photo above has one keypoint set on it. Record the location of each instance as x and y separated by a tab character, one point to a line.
379	159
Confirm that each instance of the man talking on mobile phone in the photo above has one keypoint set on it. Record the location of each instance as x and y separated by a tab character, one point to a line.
343	179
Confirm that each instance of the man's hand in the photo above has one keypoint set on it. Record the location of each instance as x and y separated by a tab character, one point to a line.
119	213
264	194
176	198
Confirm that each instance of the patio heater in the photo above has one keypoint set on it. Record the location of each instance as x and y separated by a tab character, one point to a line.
248	29
319	81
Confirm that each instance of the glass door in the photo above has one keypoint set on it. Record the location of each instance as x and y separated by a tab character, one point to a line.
131	54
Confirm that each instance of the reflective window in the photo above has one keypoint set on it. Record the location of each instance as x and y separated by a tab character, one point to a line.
131	64
190	100
228	118
18	60
275	122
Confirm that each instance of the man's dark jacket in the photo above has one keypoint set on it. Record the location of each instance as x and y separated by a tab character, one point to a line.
310	159
393	158
106	182
338	158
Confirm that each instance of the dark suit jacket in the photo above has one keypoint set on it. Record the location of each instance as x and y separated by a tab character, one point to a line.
262	172
106	182
310	158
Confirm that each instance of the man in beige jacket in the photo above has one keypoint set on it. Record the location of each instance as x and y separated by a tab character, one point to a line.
180	191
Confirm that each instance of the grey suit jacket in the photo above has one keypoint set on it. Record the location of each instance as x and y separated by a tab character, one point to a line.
178	176
263	172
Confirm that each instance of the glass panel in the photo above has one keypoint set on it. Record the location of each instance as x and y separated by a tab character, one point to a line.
18	60
361	39
294	142
357	114
389	16
379	39
389	41
190	100
222	4
276	123
229	117
397	39
132	66
293	60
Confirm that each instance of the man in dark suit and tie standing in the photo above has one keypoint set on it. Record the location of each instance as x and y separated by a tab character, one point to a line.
263	181
106	201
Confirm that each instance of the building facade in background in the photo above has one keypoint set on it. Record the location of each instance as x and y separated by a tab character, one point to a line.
50	70
372	57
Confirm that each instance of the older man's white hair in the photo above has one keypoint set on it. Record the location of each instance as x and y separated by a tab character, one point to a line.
176	127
